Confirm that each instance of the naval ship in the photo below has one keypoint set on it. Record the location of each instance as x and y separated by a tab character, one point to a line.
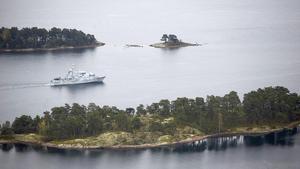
76	77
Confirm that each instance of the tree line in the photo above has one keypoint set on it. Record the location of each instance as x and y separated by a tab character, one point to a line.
268	106
14	38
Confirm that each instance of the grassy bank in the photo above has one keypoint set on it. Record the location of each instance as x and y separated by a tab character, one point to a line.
136	140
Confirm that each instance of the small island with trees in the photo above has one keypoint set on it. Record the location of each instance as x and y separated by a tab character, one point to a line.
40	39
160	124
171	41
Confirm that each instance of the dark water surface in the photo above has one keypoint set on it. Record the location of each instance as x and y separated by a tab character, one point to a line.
244	156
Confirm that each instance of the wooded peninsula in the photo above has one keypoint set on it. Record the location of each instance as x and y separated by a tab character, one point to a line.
40	39
165	122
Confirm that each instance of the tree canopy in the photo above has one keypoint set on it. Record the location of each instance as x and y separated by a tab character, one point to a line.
271	105
14	38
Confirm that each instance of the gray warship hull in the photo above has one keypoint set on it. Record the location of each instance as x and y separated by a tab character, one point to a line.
64	82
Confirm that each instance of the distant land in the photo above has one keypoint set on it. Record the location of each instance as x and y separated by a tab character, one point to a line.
167	123
40	39
171	41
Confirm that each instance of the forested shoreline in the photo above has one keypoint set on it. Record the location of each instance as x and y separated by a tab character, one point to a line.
271	106
14	39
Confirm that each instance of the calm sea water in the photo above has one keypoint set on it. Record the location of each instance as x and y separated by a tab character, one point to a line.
247	45
241	156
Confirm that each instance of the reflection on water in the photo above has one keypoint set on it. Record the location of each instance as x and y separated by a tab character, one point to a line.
223	153
282	138
54	52
76	50
6	147
77	90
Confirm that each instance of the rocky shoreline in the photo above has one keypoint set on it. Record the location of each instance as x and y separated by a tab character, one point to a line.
164	45
173	45
52	49
49	145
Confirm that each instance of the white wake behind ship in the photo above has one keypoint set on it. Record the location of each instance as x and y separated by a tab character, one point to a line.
76	77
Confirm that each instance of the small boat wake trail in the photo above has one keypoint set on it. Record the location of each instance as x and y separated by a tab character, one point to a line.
21	86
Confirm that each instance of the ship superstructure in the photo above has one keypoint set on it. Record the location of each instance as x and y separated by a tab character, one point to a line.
76	77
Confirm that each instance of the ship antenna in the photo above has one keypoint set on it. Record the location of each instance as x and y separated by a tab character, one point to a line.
72	70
